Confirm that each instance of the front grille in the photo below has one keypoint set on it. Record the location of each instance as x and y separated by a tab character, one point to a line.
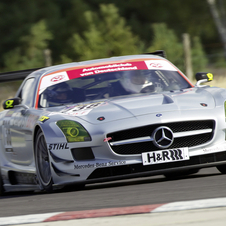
138	148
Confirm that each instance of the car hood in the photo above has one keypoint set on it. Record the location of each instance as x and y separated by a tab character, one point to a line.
133	106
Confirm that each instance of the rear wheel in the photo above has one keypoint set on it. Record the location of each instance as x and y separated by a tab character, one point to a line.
42	162
222	169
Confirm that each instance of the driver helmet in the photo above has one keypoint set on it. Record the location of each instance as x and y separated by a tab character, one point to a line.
60	94
137	81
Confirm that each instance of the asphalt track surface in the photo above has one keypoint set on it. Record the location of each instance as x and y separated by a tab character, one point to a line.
207	184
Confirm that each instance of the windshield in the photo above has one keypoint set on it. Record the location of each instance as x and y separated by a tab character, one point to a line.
111	85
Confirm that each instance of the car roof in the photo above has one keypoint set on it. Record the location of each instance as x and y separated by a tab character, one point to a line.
68	66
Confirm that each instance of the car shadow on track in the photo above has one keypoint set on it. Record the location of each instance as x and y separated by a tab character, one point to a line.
143	180
116	183
211	172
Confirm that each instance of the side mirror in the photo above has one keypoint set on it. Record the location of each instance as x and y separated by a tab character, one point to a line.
10	103
202	77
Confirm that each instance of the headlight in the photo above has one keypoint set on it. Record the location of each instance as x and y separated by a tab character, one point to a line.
73	131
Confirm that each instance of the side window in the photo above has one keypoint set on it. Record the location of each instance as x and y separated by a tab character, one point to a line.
27	92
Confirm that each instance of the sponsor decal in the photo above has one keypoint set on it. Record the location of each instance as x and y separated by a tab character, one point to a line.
175	154
117	163
100	164
171	155
139	65
108	68
160	64
49	80
58	146
156	65
43	118
214	149
85	166
57	78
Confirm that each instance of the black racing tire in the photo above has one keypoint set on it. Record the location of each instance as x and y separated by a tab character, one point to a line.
42	162
181	173
222	168
2	190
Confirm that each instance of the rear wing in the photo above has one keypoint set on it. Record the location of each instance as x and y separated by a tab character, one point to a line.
158	53
15	75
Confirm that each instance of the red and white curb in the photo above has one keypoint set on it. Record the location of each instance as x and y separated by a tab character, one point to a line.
156	208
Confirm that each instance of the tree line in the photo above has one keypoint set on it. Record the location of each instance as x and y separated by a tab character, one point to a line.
38	33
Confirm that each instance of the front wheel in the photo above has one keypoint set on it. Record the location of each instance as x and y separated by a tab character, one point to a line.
42	162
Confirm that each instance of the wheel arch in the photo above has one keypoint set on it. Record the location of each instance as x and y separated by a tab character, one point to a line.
36	129
47	186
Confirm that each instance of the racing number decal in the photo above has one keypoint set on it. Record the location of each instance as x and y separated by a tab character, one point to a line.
43	118
83	109
9	103
210	76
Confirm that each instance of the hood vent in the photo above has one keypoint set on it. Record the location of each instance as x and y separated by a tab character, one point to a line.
167	99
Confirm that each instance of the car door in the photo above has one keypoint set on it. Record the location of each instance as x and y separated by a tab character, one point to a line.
18	126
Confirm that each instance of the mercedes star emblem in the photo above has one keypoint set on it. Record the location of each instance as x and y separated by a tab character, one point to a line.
162	137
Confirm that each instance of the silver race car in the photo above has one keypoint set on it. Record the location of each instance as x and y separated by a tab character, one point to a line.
109	119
